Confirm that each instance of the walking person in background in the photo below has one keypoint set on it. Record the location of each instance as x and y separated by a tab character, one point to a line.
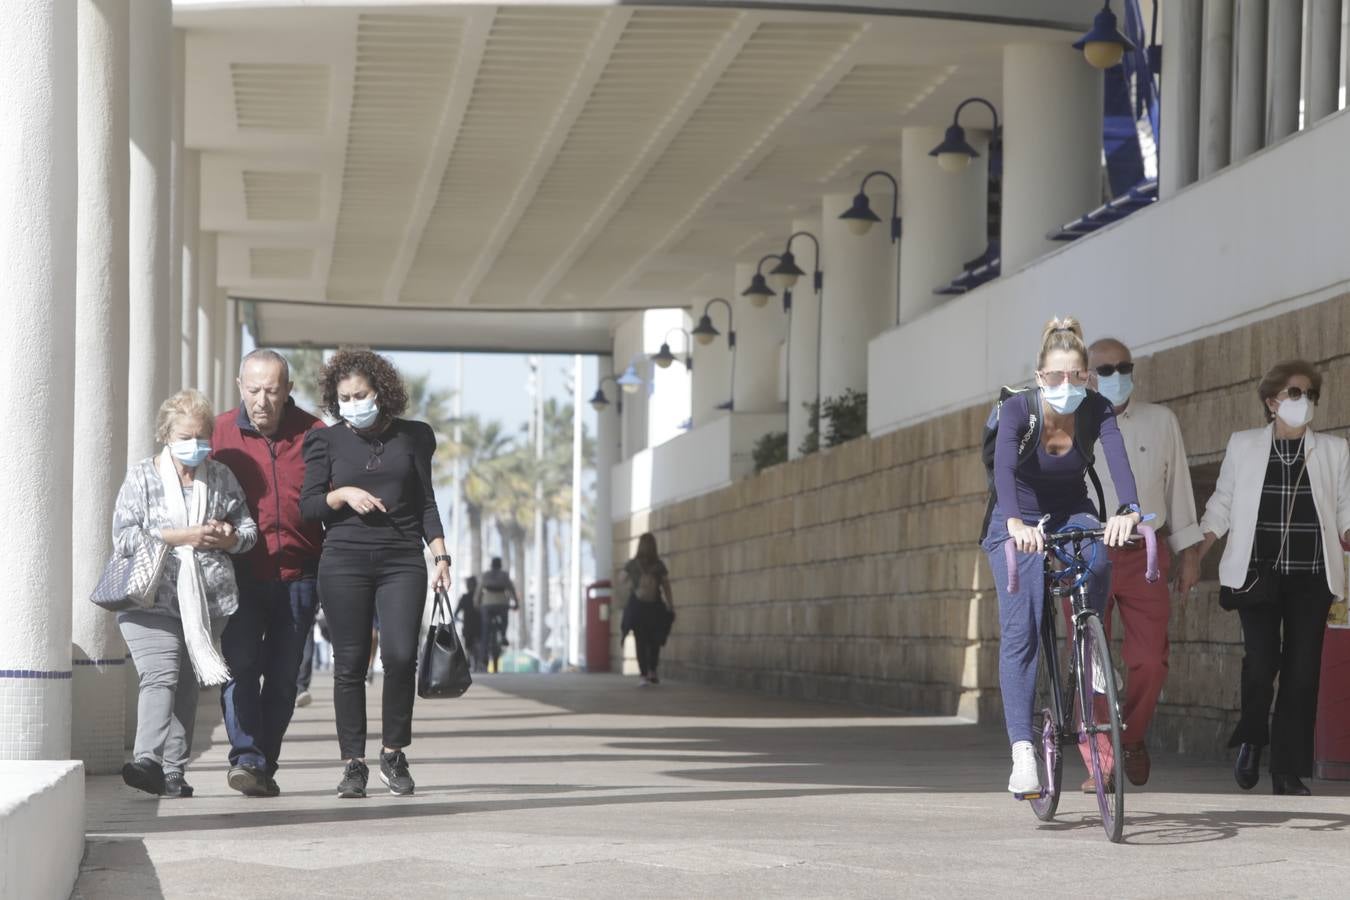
265	642
194	505
495	599
1283	499
369	480
1162	476
470	622
652	606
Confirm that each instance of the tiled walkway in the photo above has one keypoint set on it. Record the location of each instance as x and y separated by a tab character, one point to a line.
588	787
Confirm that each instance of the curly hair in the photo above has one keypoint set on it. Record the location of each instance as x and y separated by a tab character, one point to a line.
380	372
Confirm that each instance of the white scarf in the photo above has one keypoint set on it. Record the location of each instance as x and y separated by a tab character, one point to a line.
206	660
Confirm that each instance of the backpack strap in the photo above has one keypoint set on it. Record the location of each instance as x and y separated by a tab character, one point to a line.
1087	430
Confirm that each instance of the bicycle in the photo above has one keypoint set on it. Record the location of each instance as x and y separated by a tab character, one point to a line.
1091	675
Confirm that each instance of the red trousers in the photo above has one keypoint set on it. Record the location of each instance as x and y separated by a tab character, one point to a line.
1144	611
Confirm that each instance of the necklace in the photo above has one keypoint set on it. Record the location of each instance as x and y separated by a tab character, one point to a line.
1275	445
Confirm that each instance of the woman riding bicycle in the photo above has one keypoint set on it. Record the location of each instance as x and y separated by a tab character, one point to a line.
1048	482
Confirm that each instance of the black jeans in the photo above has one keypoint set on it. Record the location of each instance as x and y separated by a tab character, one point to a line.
648	653
1285	639
353	587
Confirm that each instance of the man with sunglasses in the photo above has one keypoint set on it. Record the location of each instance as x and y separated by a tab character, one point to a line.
1163	479
262	441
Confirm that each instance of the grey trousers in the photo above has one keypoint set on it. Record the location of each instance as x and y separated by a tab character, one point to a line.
166	708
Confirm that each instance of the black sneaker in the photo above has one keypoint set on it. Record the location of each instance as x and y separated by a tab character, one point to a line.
394	772
273	790
354	778
175	786
248	780
144	775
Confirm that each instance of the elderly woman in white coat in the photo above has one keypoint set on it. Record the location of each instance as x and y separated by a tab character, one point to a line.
195	507
1283	499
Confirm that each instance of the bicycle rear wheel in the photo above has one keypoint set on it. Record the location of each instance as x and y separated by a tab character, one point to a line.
1101	723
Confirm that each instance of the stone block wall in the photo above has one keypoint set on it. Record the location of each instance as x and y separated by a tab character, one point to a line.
853	574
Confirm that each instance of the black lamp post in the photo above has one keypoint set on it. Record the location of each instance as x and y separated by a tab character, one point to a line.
955	153
705	332
861	218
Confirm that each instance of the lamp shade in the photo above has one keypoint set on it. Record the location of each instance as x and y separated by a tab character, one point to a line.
630	380
704	332
664	357
955	152
599	401
1104	45
859	216
759	291
784	275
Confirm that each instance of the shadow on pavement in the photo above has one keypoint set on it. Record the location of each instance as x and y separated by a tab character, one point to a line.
1165	829
117	867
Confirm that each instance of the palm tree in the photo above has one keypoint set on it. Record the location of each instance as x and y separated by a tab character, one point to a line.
480	446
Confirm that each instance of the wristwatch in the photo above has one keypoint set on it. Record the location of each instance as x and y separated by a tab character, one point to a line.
444	557
1127	508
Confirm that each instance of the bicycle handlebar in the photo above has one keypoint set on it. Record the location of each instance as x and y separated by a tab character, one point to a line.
1147	532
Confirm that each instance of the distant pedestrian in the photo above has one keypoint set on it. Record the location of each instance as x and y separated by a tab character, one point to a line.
495	598
650	611
195	505
470	622
369	480
265	643
1283	499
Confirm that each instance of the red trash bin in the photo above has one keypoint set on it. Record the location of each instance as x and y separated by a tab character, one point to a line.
598	597
1331	743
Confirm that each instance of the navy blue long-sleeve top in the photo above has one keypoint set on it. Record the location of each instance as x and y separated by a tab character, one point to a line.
1054	484
394	465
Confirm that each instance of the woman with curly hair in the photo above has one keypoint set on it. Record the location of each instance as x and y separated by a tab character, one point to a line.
369	481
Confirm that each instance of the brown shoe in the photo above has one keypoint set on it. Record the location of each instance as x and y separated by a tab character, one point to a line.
1090	785
1137	763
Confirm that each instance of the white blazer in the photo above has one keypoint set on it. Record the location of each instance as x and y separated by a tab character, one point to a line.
1237	496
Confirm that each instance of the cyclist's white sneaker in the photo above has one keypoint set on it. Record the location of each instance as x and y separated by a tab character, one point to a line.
1024	778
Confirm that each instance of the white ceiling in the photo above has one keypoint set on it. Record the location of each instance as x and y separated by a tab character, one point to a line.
544	159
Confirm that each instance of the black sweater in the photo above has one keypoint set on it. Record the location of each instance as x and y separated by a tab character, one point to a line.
337	457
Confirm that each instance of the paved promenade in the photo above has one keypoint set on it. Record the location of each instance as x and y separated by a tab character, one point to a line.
588	787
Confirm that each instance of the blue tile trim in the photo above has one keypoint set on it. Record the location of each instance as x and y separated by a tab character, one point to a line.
121	660
34	673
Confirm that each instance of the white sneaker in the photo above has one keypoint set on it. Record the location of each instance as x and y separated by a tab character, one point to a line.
303	699
1024	778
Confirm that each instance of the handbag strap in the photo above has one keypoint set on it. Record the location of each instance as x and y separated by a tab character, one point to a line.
440	607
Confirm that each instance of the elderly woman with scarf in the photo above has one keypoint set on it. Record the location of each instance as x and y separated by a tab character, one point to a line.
196	508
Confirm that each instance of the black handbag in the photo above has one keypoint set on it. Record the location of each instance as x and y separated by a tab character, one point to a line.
443	669
1262	585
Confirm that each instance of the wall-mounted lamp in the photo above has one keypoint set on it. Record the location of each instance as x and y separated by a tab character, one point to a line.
861	218
1104	45
664	357
759	291
705	332
599	401
955	153
784	275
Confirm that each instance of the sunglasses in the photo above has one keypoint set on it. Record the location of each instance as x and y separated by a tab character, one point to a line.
1296	393
1108	370
376	448
1055	377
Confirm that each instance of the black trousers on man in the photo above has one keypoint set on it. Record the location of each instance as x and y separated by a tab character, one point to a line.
1284	639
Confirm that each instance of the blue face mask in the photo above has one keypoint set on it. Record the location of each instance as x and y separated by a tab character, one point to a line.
1116	387
1065	398
360	413
191	453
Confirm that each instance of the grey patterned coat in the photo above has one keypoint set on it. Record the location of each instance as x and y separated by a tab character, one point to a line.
141	513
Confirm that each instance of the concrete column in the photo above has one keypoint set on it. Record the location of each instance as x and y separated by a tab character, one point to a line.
1249	78
803	342
668	402
101	350
1216	87
858	302
1284	54
151	99
1179	153
711	383
38	141
759	334
945	214
1324	52
232	343
187	252
223	373
206	297
177	185
1052	146
606	457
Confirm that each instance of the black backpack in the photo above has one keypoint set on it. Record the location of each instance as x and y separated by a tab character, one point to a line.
1087	425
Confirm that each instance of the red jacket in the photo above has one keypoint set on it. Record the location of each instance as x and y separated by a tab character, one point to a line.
271	472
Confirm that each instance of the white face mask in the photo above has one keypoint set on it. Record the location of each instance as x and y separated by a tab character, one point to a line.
1065	398
1116	387
1295	413
360	413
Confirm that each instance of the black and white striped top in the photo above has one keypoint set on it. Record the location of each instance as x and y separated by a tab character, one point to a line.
1303	550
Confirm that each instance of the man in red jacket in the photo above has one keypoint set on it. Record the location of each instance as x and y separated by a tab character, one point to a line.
261	441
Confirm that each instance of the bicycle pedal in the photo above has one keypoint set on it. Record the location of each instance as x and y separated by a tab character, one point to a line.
1033	795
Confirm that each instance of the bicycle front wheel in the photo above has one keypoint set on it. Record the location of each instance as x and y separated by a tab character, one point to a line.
1101	723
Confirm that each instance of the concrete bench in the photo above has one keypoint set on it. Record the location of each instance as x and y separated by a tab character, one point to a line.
41	828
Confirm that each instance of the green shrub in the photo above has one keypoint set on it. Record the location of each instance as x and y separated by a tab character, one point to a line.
848	417
770	450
